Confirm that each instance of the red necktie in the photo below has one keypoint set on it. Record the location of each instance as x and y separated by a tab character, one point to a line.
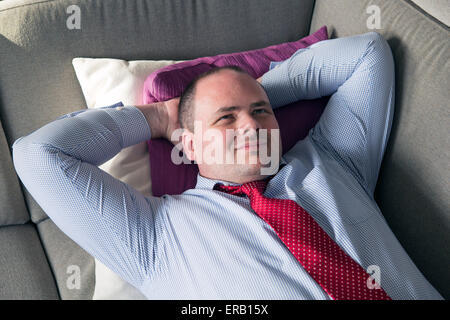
335	271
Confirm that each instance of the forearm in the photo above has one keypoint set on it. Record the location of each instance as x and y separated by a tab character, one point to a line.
92	135
306	74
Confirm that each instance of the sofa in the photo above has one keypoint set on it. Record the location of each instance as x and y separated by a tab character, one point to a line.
38	84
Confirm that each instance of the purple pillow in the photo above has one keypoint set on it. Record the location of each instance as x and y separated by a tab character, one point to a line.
295	120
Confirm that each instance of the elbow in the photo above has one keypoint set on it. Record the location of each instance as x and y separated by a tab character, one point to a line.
27	158
379	42
19	154
379	50
24	157
375	38
37	167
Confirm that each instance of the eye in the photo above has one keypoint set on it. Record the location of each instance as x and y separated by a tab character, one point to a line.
225	117
259	111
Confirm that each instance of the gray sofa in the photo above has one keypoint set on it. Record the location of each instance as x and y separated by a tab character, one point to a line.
38	84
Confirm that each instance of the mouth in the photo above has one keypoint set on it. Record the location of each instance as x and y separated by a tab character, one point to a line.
252	145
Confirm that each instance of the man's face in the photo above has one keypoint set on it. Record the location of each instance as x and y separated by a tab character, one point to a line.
234	124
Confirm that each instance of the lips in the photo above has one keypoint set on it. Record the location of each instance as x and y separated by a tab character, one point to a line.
250	145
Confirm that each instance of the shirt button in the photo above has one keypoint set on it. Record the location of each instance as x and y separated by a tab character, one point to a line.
119	108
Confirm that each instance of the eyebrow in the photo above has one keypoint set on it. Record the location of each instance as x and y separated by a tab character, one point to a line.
233	108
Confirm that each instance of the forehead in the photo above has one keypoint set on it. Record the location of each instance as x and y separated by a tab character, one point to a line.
227	87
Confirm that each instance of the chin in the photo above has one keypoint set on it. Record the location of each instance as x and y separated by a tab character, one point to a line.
250	170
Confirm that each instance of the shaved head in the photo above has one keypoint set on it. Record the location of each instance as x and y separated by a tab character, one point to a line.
187	99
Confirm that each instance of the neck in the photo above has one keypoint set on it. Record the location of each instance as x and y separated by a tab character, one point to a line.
241	179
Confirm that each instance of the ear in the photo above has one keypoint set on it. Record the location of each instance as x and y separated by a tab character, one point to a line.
187	140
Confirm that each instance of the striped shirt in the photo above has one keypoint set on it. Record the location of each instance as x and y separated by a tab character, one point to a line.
206	244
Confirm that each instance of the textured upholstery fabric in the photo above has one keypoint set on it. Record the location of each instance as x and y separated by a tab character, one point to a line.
170	81
24	270
414	181
64	256
440	9
12	205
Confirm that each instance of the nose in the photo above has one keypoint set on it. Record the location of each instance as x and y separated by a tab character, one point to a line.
248	123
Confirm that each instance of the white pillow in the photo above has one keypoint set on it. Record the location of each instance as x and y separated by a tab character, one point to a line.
105	82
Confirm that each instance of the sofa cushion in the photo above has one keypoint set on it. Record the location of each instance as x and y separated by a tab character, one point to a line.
414	181
73	268
12	203
24	270
439	9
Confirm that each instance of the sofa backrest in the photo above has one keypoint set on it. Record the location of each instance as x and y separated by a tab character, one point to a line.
38	84
414	182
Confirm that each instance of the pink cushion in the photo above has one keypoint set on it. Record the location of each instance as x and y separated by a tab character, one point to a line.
295	120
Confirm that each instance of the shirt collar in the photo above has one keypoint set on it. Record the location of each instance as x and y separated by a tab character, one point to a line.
207	183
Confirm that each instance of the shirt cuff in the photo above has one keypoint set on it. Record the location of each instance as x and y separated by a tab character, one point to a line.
273	64
132	124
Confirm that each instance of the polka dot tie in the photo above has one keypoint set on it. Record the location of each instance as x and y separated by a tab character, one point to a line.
335	271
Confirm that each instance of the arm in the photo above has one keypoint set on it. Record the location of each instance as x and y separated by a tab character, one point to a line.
358	72
109	219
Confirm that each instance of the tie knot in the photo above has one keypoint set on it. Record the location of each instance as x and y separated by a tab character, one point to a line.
247	188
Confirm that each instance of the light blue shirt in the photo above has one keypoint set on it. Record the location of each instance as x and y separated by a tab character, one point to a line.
206	244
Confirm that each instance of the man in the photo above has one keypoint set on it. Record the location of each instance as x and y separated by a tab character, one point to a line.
213	242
